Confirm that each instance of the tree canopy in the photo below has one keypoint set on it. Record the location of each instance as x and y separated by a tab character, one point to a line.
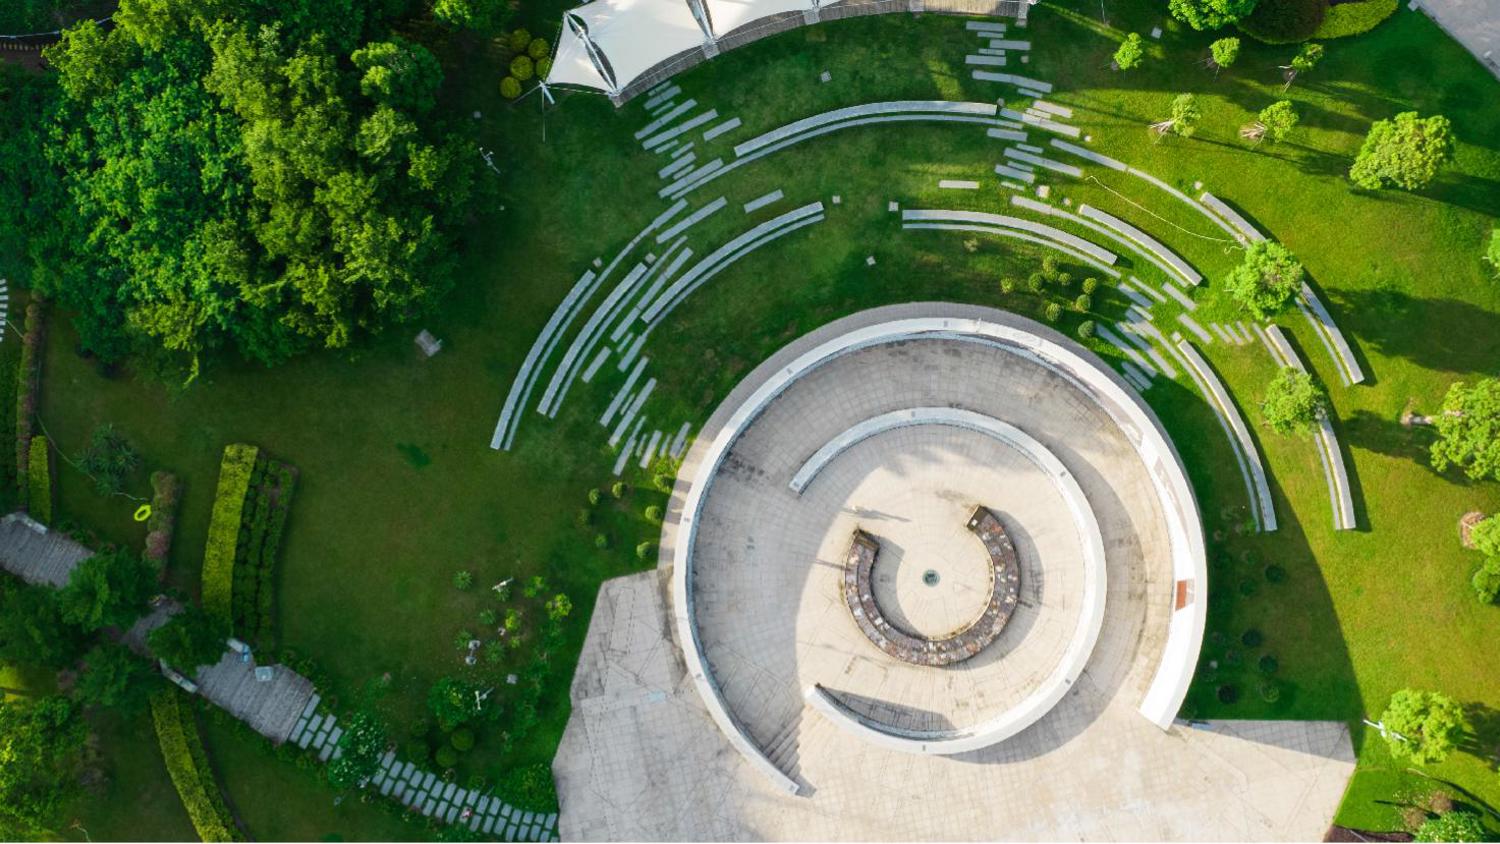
1405	152
1130	52
1278	118
190	639
363	742
258	178
1423	727
1459	826
32	629
1210	14
1224	51
1294	402
115	678
109	589
41	749
1469	430
1266	280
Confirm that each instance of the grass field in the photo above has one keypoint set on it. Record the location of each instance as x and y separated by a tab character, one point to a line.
398	489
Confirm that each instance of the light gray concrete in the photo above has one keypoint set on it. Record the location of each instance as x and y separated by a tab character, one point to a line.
1472	23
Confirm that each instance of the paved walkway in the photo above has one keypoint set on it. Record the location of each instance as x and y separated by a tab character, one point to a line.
1472	23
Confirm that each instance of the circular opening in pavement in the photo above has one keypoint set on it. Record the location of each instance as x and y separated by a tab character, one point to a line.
930	577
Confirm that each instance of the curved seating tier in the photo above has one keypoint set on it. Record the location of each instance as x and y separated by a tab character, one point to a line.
1182	269
1335	470
1098	253
1333	339
1245	453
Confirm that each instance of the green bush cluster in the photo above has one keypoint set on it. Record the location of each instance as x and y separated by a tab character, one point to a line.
28	387
262	523
522	68
1285	21
235	471
39	480
187	763
1345	19
166	490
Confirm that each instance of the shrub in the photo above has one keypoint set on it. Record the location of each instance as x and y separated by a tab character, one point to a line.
1275	573
530	788
520	40
1036	282
538	48
235	469
1129	53
1050	268
522	68
1492	252
488	617
593	497
39	480
1404	152
653	514
1268	664
462	739
601	541
1457	826
643	551
1345	19
510	87
1086	329
1284	21
1266	280
165	492
664	481
618	489
1294	402
187	763
1083	302
1251	638
463	580
1227	693
543	67
1064	279
445	757
1054	312
585	517
1270	691
28	387
110	459
1007	285
1090	284
1486	581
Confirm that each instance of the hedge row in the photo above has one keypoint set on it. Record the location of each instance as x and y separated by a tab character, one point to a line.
28	385
39	480
187	763
1284	21
165	491
1345	19
262	523
235	470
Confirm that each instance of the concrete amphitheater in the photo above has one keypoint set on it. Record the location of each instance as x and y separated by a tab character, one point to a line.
744	691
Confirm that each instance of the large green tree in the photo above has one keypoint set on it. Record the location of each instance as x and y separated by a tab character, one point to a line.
1423	726
32	629
255	177
1469	430
190	639
1294	402
1210	14
1405	152
109	589
41	748
115	678
1266	280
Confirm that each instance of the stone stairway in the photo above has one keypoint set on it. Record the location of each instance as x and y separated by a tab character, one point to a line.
35	554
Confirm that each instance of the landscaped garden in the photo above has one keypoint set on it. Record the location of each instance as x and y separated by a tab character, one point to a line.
336	505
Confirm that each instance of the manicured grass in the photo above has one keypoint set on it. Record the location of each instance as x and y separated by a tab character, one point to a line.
398	490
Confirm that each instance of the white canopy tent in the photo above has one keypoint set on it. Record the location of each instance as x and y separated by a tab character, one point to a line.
607	44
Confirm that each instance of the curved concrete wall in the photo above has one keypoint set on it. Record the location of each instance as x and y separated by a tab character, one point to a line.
938	320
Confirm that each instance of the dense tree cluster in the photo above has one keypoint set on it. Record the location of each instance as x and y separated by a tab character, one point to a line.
1210	14
261	177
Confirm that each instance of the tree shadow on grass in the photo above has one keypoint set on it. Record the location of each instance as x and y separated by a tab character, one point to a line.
1437	334
1389	437
1483	738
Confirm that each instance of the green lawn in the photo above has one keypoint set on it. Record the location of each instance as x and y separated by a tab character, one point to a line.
398	489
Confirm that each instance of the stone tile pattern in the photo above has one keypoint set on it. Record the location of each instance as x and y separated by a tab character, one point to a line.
37	555
422	790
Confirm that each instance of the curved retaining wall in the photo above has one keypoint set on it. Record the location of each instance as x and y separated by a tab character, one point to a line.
960	322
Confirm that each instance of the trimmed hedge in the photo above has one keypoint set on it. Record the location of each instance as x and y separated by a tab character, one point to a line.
1347	19
235	470
39	480
263	522
165	491
28	384
1284	21
187	763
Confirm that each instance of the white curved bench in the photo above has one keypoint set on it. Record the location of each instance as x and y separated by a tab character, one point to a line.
838	115
1091	604
1182	268
1245	453
1219	207
1053	211
1094	250
1333	339
1017	235
1179	658
1335	470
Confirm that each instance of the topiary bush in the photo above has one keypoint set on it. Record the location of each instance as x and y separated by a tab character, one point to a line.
1345	19
1268	664
1007	285
644	550
1054	312
462	739
601	541
1270	691
1090	284
39	480
522	68
618	489
653	514
445	757
1284	21
520	40
1086	329
1083	302
510	87
1251	638
538	48
1227	693
543	67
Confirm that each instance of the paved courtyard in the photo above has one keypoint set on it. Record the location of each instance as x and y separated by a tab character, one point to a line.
642	758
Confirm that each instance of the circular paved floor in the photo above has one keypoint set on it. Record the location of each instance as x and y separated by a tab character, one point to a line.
768	562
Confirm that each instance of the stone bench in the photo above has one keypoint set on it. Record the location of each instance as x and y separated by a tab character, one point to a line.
1246	455
1180	267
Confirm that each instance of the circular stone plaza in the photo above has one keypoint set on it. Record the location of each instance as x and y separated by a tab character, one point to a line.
932	571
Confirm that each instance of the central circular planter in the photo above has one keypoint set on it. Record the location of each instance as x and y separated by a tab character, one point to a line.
971	637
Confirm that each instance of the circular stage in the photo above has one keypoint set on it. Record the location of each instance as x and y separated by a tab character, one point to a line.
902	526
